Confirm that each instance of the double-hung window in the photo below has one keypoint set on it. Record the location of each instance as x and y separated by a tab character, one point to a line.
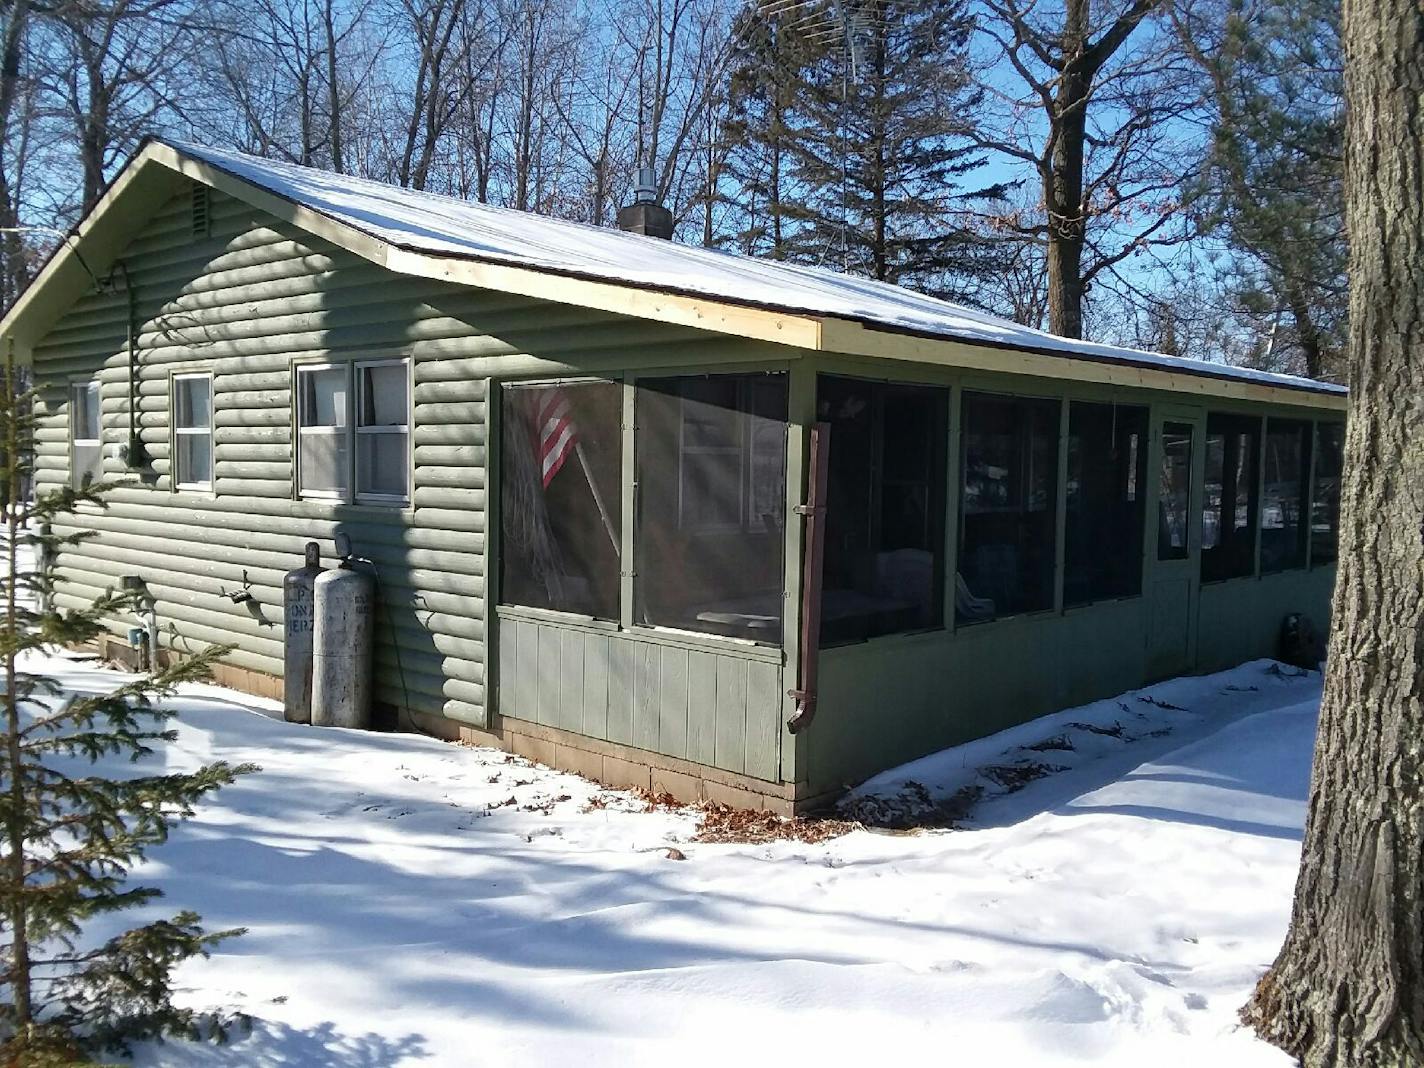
86	455
192	407
377	463
383	432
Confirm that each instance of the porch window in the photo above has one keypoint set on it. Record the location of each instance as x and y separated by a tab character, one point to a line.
192	407
1229	512
86	446
561	477
711	471
323	419
1287	466
884	549
1174	492
1325	496
383	432
1106	502
1009	503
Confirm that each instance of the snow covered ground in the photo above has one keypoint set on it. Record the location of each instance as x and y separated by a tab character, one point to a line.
403	910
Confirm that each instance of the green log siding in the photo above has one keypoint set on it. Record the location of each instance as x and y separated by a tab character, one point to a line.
246	302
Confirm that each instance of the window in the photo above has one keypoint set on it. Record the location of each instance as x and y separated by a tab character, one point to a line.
1105	503
383	431
711	470
85	434
379	423
1009	503
1286	465
884	547
1325	498
192	408
1233	445
561	478
322	426
1174	494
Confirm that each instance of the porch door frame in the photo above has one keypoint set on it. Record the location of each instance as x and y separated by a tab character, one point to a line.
1174	584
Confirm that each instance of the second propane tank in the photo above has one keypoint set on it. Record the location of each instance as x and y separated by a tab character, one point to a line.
341	667
297	619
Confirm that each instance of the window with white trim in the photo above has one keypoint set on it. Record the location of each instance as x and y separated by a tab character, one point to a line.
192	408
383	431
323	425
86	444
354	451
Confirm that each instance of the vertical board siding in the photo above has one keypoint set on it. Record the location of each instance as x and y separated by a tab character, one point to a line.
701	707
647	698
595	686
731	718
620	692
672	703
718	709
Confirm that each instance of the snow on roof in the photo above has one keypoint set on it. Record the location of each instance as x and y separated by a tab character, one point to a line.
447	226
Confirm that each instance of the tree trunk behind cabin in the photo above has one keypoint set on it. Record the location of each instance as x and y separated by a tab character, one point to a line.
1063	179
1348	986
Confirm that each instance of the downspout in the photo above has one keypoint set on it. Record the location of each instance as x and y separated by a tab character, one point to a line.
814	512
134	454
150	623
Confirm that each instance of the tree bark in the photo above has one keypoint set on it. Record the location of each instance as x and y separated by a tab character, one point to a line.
1348	985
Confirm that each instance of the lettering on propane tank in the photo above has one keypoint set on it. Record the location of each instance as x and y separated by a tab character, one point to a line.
301	615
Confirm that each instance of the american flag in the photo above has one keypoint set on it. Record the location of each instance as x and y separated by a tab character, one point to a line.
554	428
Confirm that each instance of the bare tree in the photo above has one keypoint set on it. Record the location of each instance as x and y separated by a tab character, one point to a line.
1093	116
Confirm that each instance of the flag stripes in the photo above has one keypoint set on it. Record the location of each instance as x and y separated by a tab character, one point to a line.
555	431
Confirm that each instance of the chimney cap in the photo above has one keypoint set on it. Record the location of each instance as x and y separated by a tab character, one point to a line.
646	190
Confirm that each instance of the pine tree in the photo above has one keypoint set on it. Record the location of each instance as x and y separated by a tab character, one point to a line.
1273	181
760	91
849	125
68	833
880	146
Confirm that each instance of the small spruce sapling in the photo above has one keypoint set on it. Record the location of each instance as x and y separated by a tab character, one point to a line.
70	829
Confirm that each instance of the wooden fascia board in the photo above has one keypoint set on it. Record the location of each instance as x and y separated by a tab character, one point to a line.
857	340
704	314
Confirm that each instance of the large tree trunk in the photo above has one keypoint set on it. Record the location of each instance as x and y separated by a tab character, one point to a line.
1063	180
1348	986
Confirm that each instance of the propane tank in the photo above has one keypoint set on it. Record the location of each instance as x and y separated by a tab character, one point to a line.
341	665
297	616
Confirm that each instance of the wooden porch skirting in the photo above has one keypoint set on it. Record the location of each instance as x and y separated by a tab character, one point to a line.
618	766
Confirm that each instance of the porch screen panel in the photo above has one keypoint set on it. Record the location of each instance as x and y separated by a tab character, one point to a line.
561	471
711	469
1325	494
885	521
1175	492
1106	502
1286	469
1229	512
1009	502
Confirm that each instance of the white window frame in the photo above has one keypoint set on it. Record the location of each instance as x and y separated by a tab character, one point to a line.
316	431
357	430
204	486
87	385
355	393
